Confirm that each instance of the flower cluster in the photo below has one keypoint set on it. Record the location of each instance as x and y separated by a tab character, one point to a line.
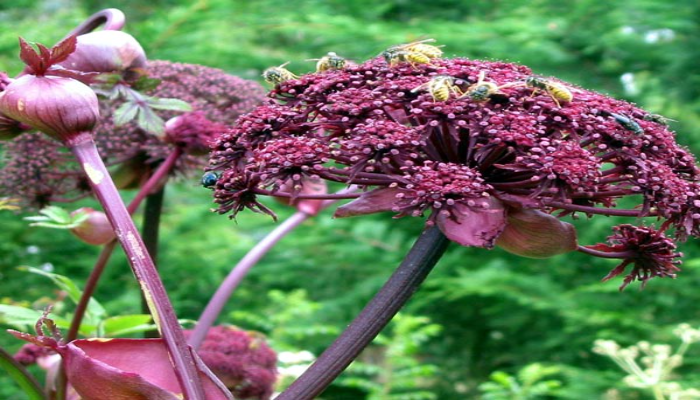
650	252
242	360
495	145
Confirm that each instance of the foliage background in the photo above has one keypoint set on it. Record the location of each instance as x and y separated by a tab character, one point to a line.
496	311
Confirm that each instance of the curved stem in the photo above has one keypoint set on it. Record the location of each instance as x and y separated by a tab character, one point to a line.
605	254
234	278
425	253
83	147
112	18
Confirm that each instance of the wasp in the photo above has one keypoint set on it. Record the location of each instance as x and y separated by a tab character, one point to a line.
330	61
277	75
421	47
415	53
209	179
394	57
440	87
628	123
555	90
482	90
659	119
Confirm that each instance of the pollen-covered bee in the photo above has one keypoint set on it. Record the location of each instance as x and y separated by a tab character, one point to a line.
482	90
557	91
628	123
440	87
209	179
659	119
330	61
277	75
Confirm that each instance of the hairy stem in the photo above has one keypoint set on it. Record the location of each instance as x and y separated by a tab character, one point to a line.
83	147
425	253
234	278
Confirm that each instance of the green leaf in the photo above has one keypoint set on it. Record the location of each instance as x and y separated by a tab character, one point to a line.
124	324
150	122
56	218
146	84
125	113
169	104
19	317
22	318
94	309
30	386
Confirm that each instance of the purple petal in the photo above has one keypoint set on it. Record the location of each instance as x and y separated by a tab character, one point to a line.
474	226
377	200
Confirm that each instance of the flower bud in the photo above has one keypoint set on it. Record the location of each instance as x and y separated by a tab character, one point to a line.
193	132
96	229
60	107
534	234
106	51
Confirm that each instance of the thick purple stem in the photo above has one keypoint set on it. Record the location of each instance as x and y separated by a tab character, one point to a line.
425	253
91	285
234	278
83	147
112	18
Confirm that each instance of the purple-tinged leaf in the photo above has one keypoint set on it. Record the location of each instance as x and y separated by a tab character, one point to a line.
29	56
63	49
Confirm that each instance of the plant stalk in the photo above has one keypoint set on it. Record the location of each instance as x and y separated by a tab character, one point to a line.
105	254
233	279
83	147
420	260
150	233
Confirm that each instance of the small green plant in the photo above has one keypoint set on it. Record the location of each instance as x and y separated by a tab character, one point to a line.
530	382
654	371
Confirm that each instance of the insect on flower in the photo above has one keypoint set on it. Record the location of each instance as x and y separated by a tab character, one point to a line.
330	61
415	53
628	123
659	119
482	90
557	91
209	179
277	75
440	87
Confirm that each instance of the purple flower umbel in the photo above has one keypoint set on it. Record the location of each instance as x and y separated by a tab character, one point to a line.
473	162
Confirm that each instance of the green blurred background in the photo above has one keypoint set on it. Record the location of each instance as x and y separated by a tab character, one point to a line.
480	311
